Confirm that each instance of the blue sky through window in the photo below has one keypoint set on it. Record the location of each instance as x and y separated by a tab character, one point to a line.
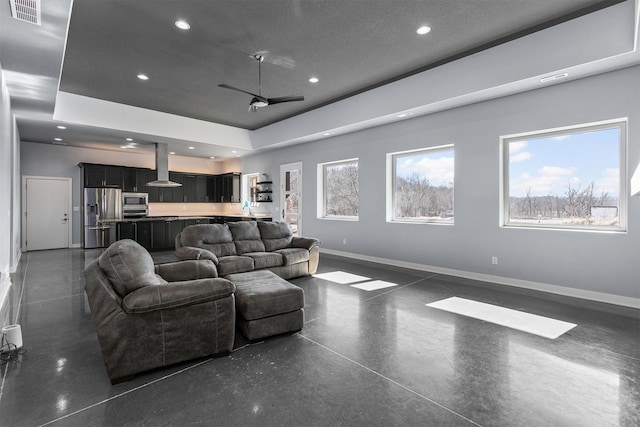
436	165
549	165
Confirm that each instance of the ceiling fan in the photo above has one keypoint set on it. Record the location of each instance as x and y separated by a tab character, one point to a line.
259	101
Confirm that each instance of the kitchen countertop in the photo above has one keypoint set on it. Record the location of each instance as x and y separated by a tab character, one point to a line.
176	218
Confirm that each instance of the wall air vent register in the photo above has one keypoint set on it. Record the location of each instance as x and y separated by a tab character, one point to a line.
26	11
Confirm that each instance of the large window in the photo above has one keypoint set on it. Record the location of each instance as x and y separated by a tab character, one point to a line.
338	187
421	185
571	178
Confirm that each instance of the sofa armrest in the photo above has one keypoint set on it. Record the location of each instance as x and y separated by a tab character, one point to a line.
176	294
190	252
304	242
187	270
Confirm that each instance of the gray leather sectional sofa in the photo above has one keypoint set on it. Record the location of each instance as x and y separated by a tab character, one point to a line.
150	316
243	246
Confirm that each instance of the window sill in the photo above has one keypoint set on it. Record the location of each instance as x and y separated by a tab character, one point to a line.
340	218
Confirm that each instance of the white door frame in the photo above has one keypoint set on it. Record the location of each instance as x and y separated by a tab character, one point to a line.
283	168
23	211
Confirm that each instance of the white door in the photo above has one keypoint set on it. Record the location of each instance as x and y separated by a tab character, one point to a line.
291	196
46	212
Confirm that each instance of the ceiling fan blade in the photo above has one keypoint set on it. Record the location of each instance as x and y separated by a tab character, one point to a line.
280	99
239	90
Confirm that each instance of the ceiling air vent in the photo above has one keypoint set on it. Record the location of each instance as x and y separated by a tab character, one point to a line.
26	10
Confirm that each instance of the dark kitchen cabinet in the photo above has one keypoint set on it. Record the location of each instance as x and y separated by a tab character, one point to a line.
154	192
143	234
135	179
101	175
195	221
164	233
142	177
201	188
195	188
126	230
129	179
175	194
189	188
224	188
231	188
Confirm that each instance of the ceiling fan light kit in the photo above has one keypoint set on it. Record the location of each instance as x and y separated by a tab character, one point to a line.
259	101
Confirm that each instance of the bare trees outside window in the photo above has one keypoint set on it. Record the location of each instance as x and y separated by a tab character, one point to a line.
422	189
340	189
566	178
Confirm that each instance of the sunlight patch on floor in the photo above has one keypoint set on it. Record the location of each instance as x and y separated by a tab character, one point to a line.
374	285
526	322
341	277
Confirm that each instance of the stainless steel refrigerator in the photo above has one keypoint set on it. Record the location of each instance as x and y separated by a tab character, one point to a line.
101	207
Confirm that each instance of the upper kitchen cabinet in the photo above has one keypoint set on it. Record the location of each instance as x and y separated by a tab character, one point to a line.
101	175
230	187
201	189
135	179
175	194
194	188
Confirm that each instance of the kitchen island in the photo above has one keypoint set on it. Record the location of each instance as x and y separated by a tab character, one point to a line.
158	232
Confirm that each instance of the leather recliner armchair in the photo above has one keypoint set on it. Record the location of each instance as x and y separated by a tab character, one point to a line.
150	316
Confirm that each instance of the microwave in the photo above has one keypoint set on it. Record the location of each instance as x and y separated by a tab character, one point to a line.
135	204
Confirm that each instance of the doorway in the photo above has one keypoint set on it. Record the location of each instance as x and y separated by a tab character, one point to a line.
46	209
291	196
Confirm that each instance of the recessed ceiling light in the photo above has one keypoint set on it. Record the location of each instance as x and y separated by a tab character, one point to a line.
234	151
192	148
423	30
57	139
143	77
172	152
129	139
554	77
61	127
212	157
314	80
124	146
404	115
183	25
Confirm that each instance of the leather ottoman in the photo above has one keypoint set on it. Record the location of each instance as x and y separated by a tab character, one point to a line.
266	304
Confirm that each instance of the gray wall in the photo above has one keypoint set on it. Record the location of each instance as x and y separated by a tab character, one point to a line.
60	161
9	191
601	262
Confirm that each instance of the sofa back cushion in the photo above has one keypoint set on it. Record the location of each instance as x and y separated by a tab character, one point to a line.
128	266
213	237
246	236
275	235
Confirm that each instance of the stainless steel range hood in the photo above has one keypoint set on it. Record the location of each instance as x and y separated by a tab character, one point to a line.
162	168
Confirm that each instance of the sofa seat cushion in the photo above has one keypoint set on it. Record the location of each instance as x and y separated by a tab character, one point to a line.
246	237
275	235
261	294
215	238
293	255
234	264
265	259
128	266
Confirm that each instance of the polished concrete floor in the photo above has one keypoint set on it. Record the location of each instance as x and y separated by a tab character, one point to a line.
377	358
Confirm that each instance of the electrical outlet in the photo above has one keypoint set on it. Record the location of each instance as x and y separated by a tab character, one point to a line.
494	260
344	241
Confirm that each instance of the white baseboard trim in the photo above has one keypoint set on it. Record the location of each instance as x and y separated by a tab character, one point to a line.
14	268
5	284
518	283
75	245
